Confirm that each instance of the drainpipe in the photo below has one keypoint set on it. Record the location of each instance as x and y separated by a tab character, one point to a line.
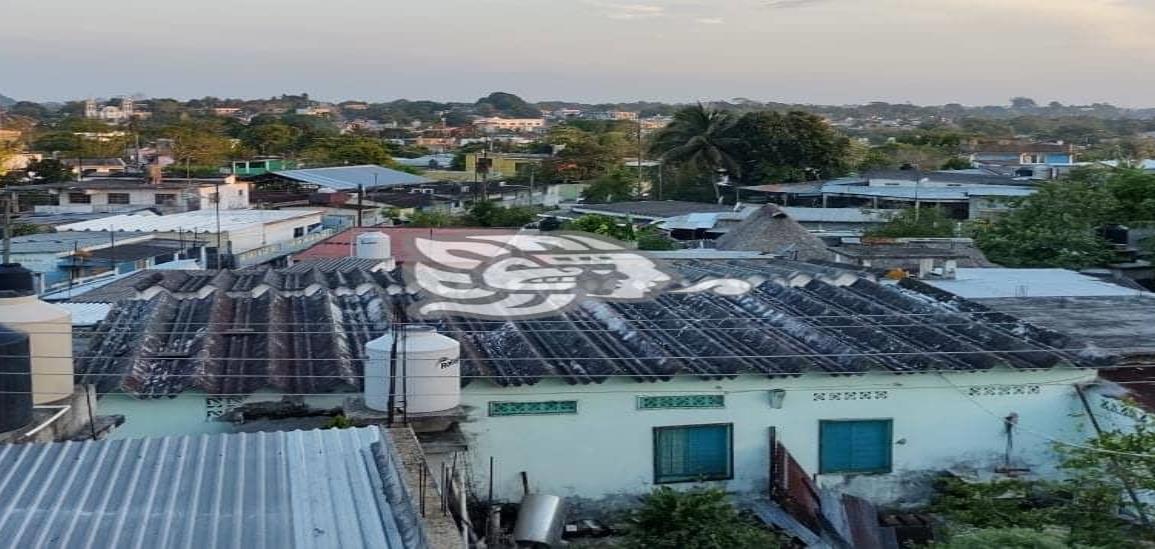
1117	469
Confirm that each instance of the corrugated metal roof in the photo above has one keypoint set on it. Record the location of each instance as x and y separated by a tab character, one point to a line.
86	314
67	242
308	489
198	220
349	177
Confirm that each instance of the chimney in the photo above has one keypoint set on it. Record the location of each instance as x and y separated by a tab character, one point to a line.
155	174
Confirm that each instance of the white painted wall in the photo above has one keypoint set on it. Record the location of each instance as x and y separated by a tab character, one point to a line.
606	448
184	415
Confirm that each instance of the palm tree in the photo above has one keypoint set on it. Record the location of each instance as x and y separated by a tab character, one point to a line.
700	137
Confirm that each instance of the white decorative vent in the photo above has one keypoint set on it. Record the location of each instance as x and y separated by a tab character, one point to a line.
1003	390
851	395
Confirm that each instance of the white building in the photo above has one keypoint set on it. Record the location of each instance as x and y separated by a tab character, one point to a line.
876	435
168	196
518	125
247	236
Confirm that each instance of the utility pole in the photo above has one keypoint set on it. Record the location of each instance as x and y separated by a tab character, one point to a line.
9	207
218	188
639	153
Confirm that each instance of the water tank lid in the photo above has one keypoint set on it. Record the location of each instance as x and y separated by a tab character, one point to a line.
16	281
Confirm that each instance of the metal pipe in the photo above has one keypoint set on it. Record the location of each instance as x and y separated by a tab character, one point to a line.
62	410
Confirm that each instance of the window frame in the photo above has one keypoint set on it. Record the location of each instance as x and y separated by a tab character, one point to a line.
889	447
658	477
126	197
79	198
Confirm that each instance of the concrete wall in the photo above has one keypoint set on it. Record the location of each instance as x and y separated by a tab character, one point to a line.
606	449
190	413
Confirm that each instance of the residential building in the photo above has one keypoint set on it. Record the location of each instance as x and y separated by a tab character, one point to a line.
244	237
516	125
95	166
66	259
171	195
347	488
1023	154
504	164
404	246
261	166
610	115
962	196
855	377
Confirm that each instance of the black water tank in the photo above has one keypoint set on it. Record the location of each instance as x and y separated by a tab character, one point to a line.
15	278
15	380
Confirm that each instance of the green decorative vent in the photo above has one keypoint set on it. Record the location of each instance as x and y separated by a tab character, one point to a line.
545	407
681	401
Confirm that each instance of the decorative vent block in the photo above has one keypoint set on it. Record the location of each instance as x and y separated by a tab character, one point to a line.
681	401
540	408
1002	390
217	407
851	395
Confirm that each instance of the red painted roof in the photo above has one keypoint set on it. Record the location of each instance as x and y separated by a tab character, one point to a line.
341	244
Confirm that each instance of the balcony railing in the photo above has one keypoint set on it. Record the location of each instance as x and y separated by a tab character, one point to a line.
268	253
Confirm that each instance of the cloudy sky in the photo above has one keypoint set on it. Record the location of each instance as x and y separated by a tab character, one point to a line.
816	51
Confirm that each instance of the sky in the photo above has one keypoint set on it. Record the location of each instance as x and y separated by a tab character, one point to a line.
974	52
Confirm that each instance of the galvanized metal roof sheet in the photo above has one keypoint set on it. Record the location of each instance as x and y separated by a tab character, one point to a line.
350	177
313	489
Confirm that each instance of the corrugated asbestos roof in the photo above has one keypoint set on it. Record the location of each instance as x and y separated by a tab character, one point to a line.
344	178
299	489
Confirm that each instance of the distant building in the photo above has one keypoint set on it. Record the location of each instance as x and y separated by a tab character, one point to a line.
261	166
119	110
1024	154
519	125
610	115
95	166
112	195
504	164
246	237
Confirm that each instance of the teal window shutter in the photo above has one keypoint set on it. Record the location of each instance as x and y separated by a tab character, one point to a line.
859	446
692	453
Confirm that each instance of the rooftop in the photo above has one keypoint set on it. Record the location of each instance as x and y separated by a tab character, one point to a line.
881	251
651	209
796	321
68	241
345	178
402	240
197	220
299	489
838	215
117	183
211	322
1000	282
926	193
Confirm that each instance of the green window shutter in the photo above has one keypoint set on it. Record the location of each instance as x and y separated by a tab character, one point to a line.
692	453
862	446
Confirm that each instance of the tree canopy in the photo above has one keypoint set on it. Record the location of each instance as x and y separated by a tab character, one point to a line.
916	223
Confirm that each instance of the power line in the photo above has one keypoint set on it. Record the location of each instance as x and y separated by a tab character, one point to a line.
632	357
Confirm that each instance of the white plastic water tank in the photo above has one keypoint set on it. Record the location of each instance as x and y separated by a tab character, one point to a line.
429	373
49	330
373	245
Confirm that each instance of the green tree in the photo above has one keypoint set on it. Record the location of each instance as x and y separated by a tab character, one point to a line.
1134	194
701	519
48	170
1058	226
796	146
615	186
348	150
603	225
956	163
703	140
198	146
1004	538
916	223
431	219
489	214
652	239
274	138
